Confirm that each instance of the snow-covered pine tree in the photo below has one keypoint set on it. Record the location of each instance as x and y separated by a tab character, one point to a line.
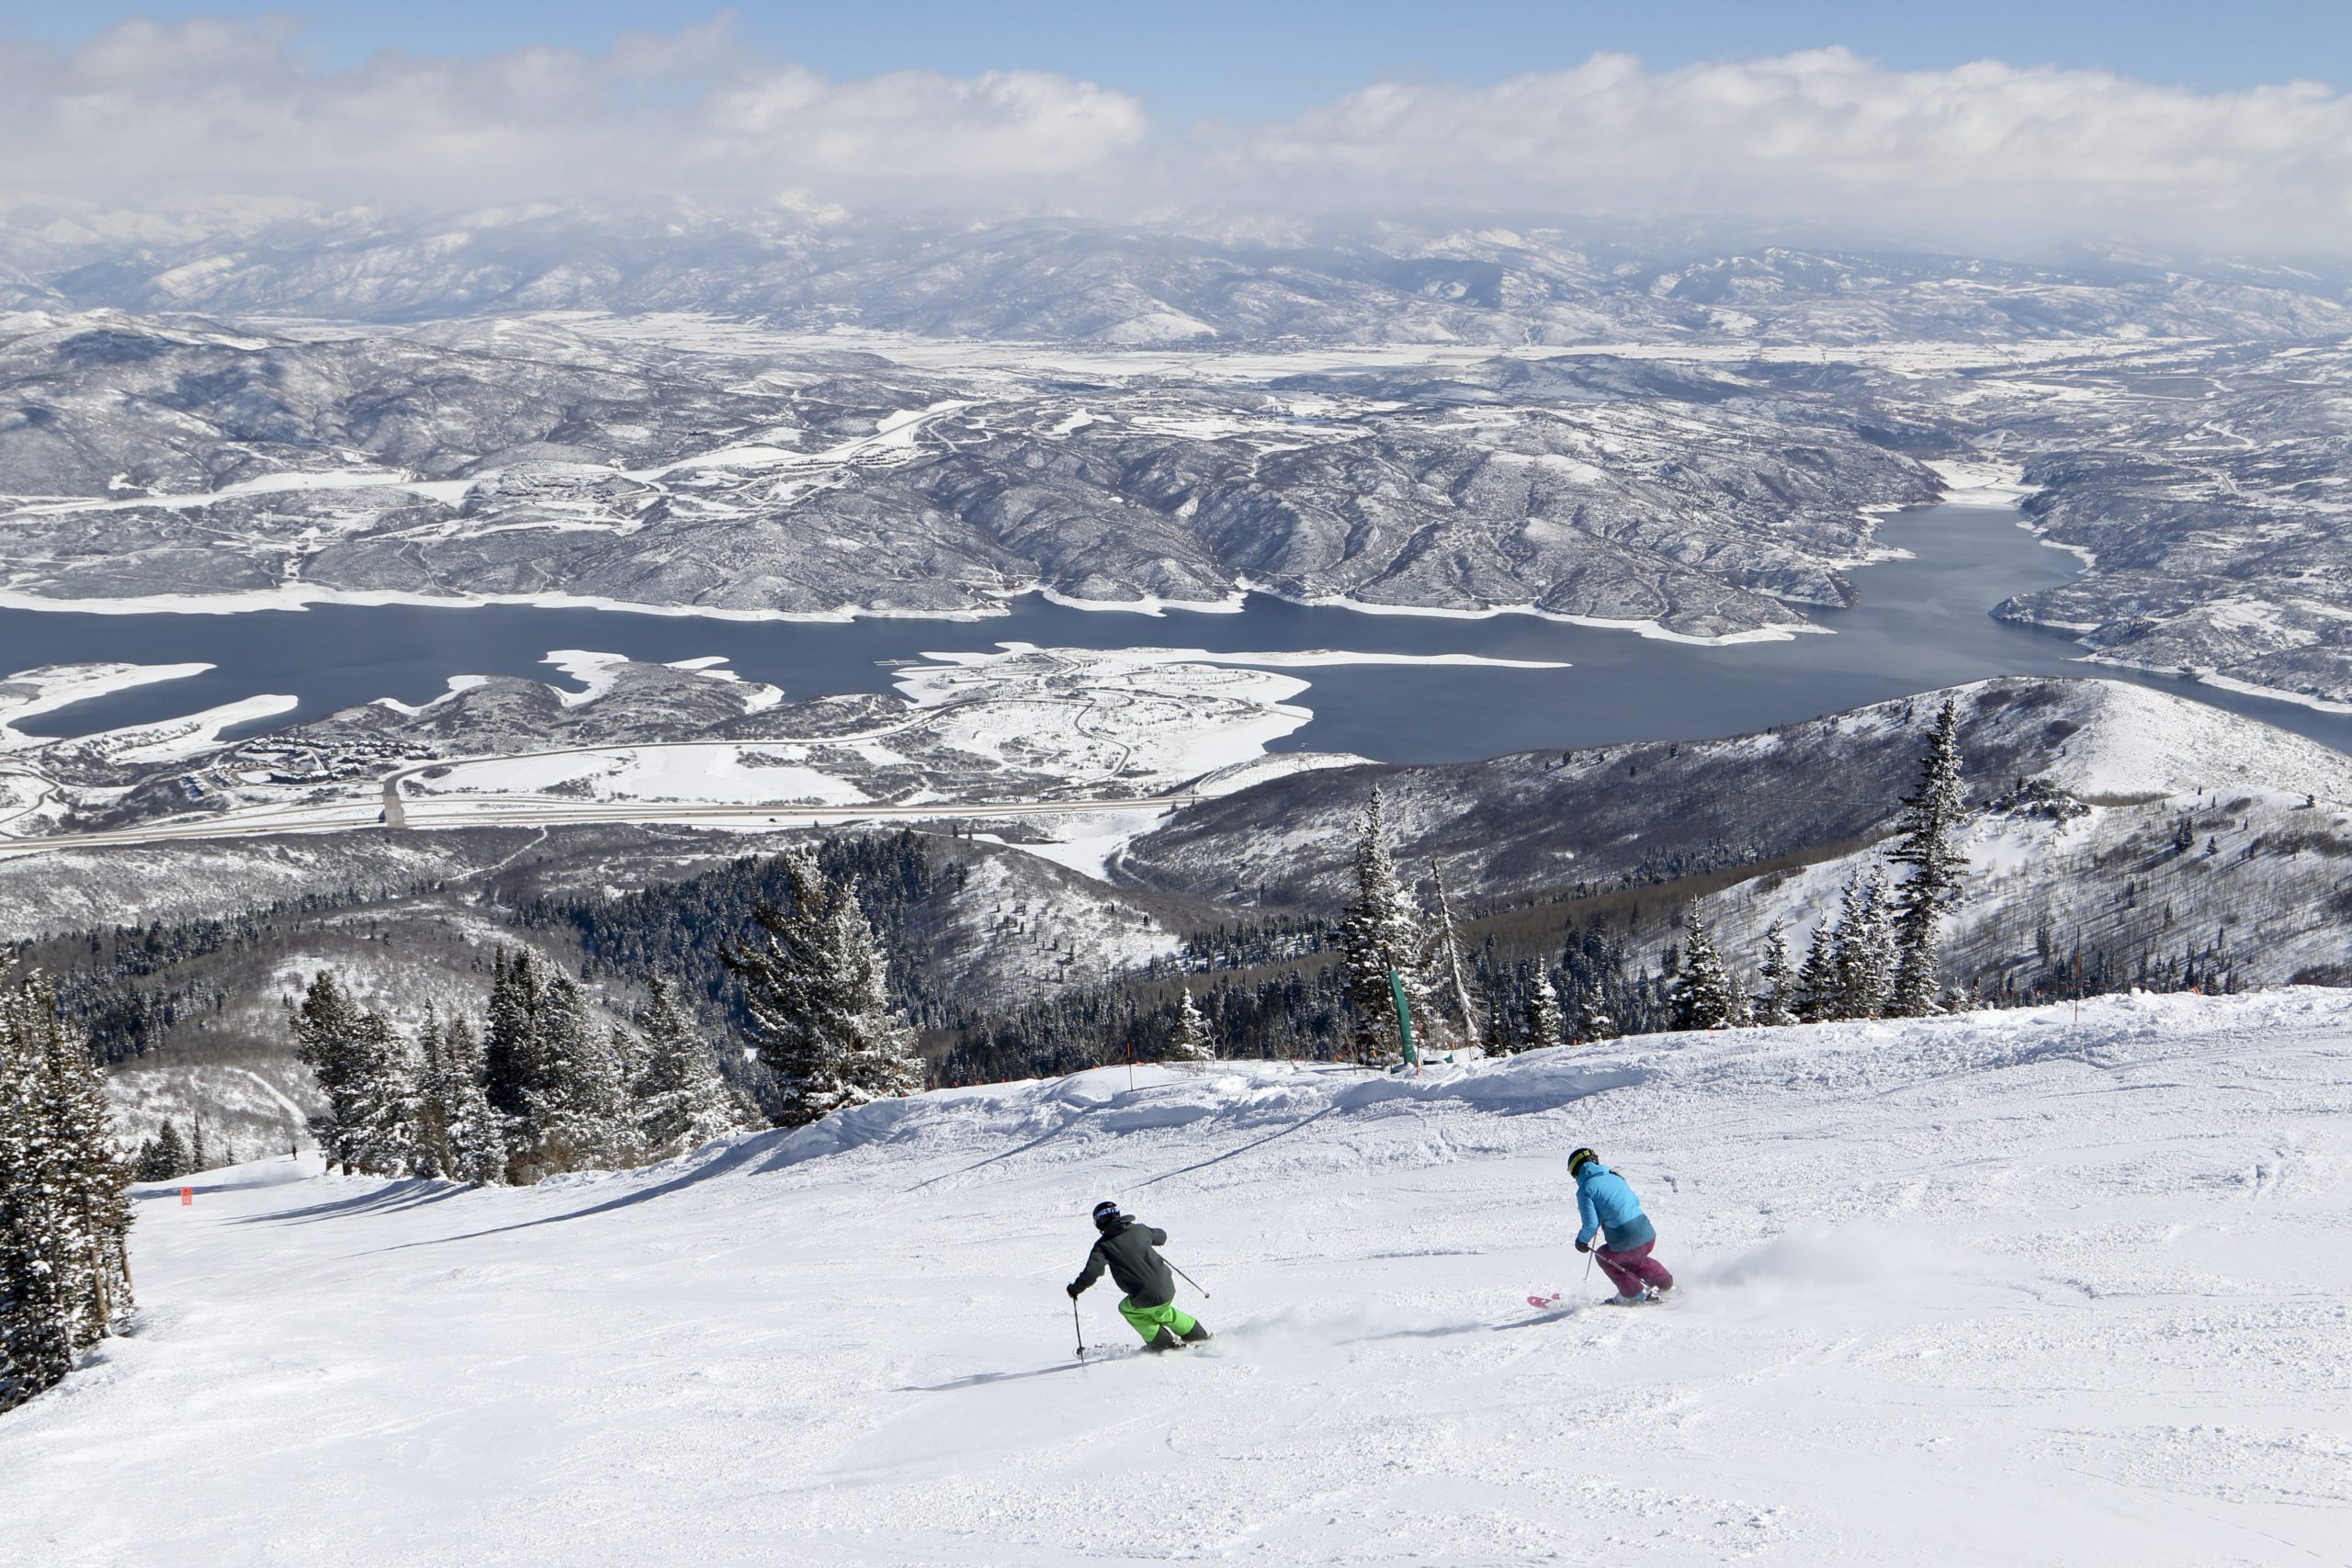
1776	995
98	1183
36	1346
1546	1023
323	1028
362	1069
781	978
1932	815
1865	949
170	1159
383	1105
429	1157
1595	1022
1818	994
878	1055
473	1134
1379	933
572	1105
680	1100
817	990
65	1199
1191	1041
510	1067
1705	996
197	1159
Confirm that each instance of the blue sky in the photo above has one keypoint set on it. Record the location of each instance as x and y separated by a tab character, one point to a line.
1274	57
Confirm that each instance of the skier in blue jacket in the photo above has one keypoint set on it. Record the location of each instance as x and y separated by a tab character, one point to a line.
1609	1211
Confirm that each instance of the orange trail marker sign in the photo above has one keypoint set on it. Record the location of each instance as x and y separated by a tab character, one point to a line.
188	1197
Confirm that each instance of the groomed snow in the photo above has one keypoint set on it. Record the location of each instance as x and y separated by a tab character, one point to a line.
2001	1289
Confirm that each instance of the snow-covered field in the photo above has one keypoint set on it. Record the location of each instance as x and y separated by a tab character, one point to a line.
1997	1288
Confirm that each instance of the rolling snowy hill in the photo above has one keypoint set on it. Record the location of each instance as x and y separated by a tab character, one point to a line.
2004	1288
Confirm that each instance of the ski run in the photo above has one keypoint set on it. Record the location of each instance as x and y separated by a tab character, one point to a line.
2008	1287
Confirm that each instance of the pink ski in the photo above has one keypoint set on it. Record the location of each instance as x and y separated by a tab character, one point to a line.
1551	1300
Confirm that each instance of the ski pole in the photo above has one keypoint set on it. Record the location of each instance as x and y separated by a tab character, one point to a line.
1078	1327
1194	1284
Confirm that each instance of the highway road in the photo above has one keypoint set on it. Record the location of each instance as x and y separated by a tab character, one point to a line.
399	813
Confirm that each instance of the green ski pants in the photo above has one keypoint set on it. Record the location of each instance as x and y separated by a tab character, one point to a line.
1150	1320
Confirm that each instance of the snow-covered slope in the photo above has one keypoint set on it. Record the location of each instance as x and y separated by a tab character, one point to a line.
1997	1288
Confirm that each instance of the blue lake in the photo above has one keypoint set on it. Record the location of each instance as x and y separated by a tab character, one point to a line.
1921	623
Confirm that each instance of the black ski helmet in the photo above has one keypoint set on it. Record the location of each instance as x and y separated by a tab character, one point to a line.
1579	1159
1106	1215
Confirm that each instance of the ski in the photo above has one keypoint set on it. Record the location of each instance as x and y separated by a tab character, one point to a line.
1551	1300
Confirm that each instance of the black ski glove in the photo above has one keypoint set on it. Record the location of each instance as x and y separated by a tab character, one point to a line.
1584	1246
1072	1290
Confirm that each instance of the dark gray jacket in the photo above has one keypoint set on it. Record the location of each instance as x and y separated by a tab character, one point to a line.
1126	1250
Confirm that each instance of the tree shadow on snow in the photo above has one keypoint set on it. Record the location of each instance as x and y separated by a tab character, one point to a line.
383	1200
1237	1153
741	1155
1045	1137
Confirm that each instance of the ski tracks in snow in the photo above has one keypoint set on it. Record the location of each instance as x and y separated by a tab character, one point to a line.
1981	1287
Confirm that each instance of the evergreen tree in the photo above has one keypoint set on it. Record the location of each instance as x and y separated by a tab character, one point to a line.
817	990
572	1107
430	1156
362	1070
1380	933
197	1159
170	1158
1595	1022
65	1199
509	1042
1191	1041
1864	950
1932	815
1776	998
681	1102
473	1134
1818	993
1546	1024
1705	996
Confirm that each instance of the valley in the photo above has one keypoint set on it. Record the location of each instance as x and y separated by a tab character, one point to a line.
1321	785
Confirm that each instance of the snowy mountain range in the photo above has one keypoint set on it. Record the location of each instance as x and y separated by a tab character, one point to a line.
1074	281
1711	490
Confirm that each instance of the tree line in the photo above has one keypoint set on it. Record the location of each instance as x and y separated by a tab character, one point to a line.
1878	958
544	1084
1337	994
169	1155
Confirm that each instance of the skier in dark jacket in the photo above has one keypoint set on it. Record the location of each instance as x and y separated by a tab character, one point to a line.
1126	1248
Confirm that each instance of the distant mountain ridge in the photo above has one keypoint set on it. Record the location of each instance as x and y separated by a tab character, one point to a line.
1072	281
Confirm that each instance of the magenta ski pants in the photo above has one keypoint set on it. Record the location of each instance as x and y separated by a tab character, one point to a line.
1631	1270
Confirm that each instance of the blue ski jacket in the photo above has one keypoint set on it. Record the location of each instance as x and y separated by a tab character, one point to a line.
1606	1203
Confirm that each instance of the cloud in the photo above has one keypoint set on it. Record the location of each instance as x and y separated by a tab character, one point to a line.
150	110
1983	153
1825	136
